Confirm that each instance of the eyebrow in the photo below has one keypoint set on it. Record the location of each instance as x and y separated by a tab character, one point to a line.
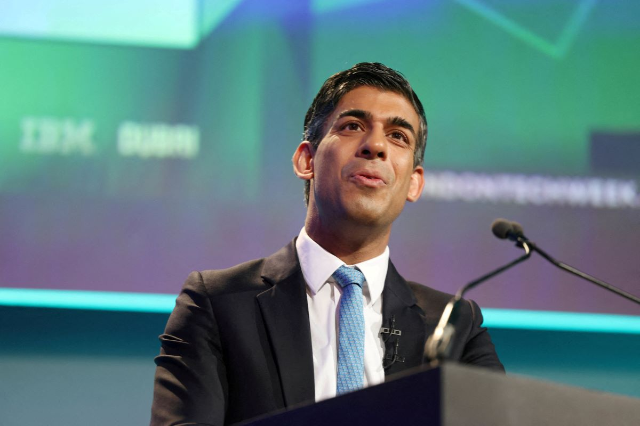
401	122
366	115
357	113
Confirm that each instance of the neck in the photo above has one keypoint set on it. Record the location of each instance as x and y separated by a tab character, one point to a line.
351	243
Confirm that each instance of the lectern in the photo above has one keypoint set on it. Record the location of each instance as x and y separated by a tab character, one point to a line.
458	395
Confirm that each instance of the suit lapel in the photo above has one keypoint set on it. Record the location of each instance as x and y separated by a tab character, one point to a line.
286	317
399	303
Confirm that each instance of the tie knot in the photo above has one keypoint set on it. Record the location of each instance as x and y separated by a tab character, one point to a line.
346	276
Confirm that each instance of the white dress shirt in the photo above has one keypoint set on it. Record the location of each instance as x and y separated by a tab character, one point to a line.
323	299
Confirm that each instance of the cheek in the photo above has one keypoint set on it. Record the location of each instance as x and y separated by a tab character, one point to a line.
403	176
327	160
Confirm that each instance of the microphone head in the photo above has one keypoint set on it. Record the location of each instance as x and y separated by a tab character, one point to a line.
517	229
501	228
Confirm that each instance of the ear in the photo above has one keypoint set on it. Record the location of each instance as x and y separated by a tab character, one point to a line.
416	185
303	161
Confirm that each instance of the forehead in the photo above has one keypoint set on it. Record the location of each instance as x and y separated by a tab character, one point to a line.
382	104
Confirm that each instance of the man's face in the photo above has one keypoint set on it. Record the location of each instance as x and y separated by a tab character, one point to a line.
362	170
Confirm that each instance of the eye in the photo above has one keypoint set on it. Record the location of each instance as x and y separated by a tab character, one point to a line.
399	136
352	125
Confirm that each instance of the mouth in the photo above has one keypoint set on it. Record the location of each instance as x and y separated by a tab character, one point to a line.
368	178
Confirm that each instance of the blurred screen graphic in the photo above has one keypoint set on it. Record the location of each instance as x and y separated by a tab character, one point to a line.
139	142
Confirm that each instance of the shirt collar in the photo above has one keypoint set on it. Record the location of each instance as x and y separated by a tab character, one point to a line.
318	265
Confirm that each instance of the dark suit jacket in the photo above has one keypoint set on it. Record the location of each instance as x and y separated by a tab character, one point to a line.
238	344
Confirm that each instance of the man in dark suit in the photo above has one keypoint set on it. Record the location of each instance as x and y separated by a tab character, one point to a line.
267	334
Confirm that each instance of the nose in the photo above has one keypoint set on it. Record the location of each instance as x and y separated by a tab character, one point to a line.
374	145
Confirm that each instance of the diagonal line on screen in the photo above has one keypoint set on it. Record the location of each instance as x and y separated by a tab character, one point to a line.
556	49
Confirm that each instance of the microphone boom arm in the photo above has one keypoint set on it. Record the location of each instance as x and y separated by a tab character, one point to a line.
472	284
570	269
438	345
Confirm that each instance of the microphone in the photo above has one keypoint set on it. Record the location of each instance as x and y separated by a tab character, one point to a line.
438	345
513	231
391	355
504	229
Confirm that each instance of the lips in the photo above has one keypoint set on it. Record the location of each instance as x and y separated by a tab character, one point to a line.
368	178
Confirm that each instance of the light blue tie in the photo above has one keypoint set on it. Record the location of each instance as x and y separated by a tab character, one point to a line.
350	331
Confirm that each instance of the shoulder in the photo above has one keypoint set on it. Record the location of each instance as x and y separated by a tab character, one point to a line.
253	276
240	278
423	292
433	302
236	283
472	343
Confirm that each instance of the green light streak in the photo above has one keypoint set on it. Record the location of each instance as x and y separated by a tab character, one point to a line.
573	26
560	321
555	50
133	23
164	303
324	6
213	13
92	300
178	24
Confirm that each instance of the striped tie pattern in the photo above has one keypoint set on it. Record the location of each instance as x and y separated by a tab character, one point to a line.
350	331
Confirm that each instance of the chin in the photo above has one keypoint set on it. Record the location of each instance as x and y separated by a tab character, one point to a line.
366	211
